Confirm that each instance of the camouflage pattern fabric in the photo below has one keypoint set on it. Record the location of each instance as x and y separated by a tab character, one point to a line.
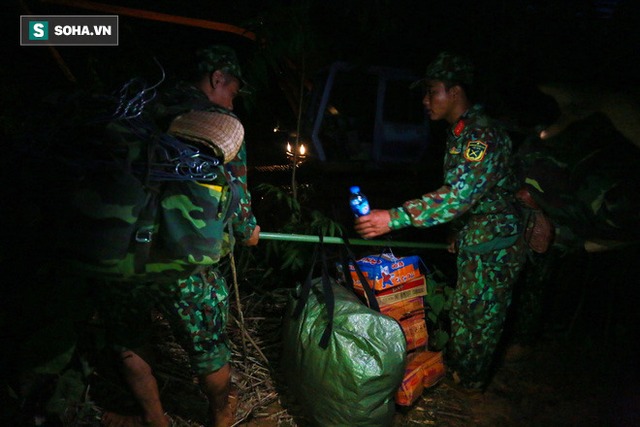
197	308
478	194
479	308
205	206
478	199
223	58
219	57
449	68
199	305
120	224
185	236
243	220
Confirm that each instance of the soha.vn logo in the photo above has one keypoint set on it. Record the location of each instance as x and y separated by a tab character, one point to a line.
82	30
38	30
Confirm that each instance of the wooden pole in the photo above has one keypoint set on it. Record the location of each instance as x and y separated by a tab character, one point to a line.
155	16
54	52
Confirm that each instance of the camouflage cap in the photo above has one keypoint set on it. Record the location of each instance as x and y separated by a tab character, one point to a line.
220	57
448	67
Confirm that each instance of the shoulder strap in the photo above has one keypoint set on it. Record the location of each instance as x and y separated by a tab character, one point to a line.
327	291
234	194
351	260
144	233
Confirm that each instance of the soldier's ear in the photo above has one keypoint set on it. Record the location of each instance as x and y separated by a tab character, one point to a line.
218	77
215	78
455	90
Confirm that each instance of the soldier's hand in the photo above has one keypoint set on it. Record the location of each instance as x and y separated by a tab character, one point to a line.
255	237
374	224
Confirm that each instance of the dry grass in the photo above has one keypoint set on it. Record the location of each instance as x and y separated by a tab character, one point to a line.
550	388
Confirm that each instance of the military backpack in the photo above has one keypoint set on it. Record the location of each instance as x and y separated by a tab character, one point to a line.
143	203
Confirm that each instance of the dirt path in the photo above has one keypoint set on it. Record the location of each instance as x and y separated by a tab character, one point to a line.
560	383
588	377
566	380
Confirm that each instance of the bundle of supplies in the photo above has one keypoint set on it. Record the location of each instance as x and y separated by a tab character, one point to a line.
399	286
423	370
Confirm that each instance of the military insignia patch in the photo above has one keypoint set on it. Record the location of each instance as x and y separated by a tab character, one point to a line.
475	151
457	130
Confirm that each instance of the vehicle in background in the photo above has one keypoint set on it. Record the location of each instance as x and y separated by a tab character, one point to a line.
364	115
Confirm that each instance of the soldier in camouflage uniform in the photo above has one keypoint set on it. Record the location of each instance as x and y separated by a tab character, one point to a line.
478	199
199	304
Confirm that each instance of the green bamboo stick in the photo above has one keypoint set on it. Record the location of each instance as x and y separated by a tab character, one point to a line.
304	238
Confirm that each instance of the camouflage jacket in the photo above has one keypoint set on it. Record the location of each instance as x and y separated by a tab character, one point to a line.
185	97
478	191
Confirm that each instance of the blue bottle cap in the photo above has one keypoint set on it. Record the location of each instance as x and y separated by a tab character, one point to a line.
355	189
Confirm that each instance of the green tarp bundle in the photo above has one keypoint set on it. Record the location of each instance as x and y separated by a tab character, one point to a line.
352	382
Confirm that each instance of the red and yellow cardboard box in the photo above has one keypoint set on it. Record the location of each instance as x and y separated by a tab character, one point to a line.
400	287
386	271
415	331
424	369
403	309
433	368
405	303
417	287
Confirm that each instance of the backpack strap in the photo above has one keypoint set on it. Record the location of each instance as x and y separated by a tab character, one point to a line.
327	291
329	297
234	196
147	218
144	233
350	259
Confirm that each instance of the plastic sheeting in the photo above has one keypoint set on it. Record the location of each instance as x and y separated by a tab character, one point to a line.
353	381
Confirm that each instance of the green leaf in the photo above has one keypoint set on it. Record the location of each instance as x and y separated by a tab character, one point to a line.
436	302
49	350
69	389
440	339
432	316
56	363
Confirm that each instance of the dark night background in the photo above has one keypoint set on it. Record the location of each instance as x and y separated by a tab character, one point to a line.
515	44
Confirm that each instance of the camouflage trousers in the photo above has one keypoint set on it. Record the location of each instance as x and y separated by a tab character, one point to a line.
479	308
197	309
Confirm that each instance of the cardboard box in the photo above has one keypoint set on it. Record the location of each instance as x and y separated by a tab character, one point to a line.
424	369
433	368
386	271
409	290
412	382
403	309
415	331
